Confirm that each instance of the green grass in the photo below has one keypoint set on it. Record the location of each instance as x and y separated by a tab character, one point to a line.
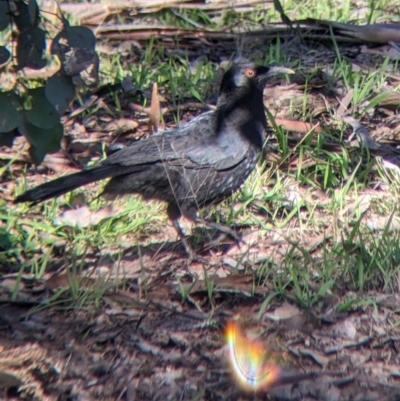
353	257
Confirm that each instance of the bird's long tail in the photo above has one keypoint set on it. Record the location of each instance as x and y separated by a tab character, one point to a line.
65	184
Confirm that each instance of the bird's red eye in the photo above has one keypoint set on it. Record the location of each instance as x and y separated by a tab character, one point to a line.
250	72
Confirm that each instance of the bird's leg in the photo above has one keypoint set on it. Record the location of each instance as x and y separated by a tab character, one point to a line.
192	215
174	214
190	252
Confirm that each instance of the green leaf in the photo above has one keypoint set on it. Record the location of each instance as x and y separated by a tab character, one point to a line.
42	113
60	91
55	144
5	240
42	141
4	17
21	16
325	287
7	138
196	94
77	60
31	44
81	37
37	154
9	379
76	36
10	117
4	54
33	11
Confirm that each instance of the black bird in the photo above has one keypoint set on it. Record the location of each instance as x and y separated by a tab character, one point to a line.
193	166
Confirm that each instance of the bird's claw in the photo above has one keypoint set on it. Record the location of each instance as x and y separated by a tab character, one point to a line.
197	258
192	256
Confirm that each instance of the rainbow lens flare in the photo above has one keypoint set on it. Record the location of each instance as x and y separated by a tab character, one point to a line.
249	360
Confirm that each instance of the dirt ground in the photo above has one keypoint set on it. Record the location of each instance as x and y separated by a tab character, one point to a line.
157	347
152	345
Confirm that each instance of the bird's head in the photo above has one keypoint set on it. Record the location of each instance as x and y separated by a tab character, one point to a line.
240	102
245	76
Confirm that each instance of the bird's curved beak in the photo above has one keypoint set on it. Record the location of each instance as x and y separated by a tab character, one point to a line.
267	72
279	71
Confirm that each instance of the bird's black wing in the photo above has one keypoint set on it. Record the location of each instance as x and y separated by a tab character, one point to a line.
195	144
221	150
146	151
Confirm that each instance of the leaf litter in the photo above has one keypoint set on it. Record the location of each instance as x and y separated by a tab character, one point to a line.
145	343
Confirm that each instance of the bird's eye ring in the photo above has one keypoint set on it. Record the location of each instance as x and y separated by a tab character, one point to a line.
250	72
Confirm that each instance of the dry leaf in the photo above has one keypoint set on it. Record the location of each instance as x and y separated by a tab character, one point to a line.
283	312
155	110
84	217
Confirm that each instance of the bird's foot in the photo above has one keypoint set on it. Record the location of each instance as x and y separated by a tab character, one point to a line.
223	229
222	237
192	255
199	259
